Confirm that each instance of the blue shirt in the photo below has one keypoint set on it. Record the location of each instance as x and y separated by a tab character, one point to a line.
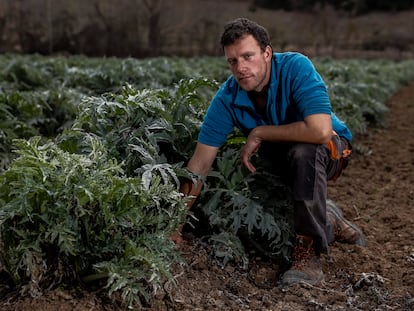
296	91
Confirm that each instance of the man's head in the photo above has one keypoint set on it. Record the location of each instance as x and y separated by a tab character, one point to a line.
247	48
240	27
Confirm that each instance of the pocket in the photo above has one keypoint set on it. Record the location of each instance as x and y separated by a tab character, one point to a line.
332	146
339	150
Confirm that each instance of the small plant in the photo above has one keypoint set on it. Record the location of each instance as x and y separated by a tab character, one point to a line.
247	209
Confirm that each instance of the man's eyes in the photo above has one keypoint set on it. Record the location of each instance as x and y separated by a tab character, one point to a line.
245	57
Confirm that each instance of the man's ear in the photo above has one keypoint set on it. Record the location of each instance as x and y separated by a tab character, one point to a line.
268	52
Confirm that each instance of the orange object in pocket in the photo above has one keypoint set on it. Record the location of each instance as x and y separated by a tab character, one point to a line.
333	151
335	155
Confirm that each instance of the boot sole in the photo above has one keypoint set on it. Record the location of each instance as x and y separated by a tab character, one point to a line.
293	277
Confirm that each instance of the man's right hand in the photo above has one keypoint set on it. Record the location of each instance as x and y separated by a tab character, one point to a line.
199	164
176	237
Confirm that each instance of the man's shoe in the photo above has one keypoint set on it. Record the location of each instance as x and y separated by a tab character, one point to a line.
344	230
306	267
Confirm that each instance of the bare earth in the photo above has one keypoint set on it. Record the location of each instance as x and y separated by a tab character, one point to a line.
376	192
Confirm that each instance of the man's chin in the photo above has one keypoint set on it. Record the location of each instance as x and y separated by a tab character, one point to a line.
246	87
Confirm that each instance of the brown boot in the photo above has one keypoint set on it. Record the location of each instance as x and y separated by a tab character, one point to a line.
306	266
344	230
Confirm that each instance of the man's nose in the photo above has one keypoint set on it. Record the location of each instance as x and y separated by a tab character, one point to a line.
241	65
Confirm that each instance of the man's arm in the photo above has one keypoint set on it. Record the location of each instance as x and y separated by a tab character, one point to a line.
199	164
315	129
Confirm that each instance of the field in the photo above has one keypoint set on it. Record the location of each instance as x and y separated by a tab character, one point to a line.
99	135
376	192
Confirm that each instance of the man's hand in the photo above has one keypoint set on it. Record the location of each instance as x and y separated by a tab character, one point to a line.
199	164
315	129
176	237
250	148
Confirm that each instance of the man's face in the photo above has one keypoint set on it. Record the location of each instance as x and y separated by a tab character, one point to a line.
248	63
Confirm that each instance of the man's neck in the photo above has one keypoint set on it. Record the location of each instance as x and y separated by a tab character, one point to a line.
259	99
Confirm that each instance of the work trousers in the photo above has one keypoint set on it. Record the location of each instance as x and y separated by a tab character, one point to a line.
307	168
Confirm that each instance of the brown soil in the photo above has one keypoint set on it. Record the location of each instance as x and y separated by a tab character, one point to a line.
376	192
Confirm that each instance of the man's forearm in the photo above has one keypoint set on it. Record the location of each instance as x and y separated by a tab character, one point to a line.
316	129
191	189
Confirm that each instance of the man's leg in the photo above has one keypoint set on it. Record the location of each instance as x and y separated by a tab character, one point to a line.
303	167
308	167
308	177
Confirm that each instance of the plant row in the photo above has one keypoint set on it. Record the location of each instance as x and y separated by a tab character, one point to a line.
93	152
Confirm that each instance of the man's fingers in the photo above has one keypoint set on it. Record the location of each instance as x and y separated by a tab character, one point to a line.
251	167
245	159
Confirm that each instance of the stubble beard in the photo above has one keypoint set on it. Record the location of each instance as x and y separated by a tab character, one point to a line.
260	83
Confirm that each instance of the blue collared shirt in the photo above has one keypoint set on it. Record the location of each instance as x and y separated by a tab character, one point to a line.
296	91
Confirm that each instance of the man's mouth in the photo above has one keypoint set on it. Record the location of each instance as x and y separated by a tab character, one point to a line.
244	77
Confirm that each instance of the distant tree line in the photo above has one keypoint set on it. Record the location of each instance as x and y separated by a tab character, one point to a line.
149	28
352	6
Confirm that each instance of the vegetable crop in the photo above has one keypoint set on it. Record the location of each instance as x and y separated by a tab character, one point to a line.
92	153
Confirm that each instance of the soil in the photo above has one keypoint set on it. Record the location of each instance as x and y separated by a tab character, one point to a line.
376	192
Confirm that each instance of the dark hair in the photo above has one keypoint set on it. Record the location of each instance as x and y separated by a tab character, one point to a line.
239	27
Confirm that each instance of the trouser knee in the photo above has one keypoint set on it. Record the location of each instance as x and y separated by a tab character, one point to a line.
302	155
302	160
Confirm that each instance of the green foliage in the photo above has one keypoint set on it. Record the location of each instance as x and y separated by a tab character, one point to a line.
247	209
72	204
358	89
91	191
28	113
79	212
146	127
42	94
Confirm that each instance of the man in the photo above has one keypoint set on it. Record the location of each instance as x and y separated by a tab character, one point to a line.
280	102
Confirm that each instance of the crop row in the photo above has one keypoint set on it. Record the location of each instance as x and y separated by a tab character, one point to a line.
93	151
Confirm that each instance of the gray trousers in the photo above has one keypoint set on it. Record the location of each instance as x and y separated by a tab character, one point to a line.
307	168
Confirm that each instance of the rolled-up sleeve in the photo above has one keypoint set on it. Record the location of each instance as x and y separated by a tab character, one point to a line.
218	121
